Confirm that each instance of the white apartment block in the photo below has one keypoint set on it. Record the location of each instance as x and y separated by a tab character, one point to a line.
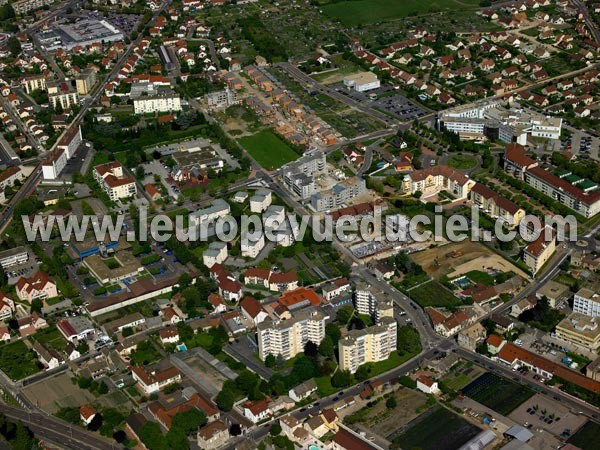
251	247
260	201
215	254
298	176
288	337
489	119
218	208
341	194
164	101
34	83
54	165
372	344
13	257
112	180
587	302
365	302
432	180
24	6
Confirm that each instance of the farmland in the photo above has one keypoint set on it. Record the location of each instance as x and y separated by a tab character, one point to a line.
268	150
495	392
358	12
587	436
437	429
433	293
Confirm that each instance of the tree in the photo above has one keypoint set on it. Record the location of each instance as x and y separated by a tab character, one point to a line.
390	403
14	46
36	305
189	421
275	429
345	313
185	280
326	347
311	349
341	379
103	388
225	399
152	437
270	360
333	331
363	372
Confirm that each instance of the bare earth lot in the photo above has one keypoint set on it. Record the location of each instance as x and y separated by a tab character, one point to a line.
383	422
468	256
57	392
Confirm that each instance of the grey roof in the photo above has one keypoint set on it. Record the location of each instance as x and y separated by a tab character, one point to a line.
519	432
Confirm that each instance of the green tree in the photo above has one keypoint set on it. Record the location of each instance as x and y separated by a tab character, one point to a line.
275	429
189	421
270	360
326	347
225	399
391	403
333	331
14	46
36	305
151	436
345	313
341	379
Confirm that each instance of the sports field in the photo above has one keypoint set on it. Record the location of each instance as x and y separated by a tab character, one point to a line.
357	12
268	150
497	393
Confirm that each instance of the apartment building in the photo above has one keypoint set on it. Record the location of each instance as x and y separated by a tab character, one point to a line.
252	246
587	302
38	286
86	81
222	99
490	120
24	6
496	206
298	176
371	344
35	83
215	254
288	337
13	257
54	164
580	330
366	302
538	252
112	180
163	100
218	208
581	197
7	306
9	176
155	377
339	195
61	93
432	180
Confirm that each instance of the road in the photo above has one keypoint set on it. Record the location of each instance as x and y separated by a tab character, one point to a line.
588	19
48	427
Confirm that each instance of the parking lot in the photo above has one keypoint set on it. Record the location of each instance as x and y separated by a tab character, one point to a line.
385	99
542	411
583	145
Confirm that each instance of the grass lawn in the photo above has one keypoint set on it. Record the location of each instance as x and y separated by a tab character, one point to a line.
437	429
433	293
268	149
497	393
324	387
479	277
17	361
462	162
357	12
587	436
51	338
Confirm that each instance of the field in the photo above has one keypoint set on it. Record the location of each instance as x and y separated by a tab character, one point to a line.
384	421
268	149
57	392
497	393
17	361
587	437
51	338
460	258
462	162
433	293
461	374
437	429
357	12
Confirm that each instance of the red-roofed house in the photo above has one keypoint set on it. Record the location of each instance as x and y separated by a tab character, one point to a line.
38	286
253	310
495	343
427	385
169	336
257	411
87	414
